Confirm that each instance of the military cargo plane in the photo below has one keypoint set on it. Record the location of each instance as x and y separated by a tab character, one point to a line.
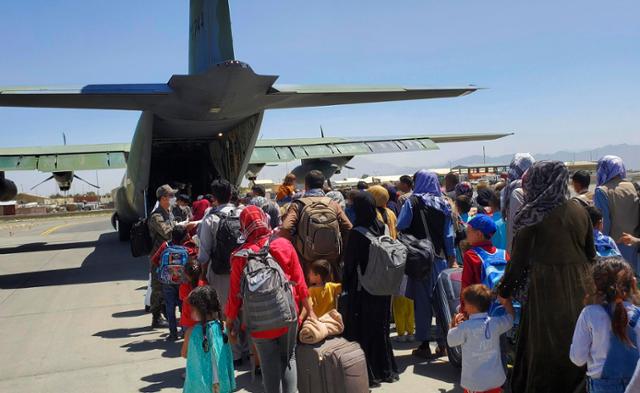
207	121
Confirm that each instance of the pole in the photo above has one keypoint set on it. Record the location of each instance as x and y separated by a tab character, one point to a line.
484	155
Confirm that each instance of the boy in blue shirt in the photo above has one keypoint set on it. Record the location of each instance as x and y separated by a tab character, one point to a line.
605	246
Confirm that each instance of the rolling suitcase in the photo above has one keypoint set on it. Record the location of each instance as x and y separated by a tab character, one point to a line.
332	366
447	300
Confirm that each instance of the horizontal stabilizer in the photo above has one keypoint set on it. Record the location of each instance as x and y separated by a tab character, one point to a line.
125	96
64	158
294	96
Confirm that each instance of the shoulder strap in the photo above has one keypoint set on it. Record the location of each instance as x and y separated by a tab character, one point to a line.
365	232
419	205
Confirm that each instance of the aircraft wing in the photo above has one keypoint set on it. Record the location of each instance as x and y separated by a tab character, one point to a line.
297	96
126	96
64	157
284	150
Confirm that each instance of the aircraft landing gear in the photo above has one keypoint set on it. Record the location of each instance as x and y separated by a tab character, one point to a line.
123	228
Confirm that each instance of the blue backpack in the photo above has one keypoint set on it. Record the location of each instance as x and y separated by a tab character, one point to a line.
493	267
172	262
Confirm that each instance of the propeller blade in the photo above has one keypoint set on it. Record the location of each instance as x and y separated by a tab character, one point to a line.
349	167
44	181
81	179
321	132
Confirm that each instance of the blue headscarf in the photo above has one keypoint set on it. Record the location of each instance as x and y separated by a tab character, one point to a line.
610	167
427	187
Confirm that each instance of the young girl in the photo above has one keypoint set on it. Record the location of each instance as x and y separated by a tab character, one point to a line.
606	337
322	291
192	274
209	358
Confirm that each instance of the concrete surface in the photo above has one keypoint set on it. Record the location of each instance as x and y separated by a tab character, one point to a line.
72	318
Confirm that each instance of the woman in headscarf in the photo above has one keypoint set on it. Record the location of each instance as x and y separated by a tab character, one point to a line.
428	206
393	198
549	270
276	347
403	314
368	316
464	188
617	199
384	214
512	194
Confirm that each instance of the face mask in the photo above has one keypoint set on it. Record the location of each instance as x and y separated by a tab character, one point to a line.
172	202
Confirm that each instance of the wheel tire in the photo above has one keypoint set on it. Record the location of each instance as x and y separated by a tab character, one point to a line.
124	230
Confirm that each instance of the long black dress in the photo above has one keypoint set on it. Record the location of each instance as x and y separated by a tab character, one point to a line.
368	316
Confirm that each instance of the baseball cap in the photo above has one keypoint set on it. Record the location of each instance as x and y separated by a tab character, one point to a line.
484	224
165	190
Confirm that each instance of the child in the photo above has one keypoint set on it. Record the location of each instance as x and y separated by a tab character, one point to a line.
322	291
209	358
483	263
605	246
179	237
192	276
479	336
499	239
463	207
606	334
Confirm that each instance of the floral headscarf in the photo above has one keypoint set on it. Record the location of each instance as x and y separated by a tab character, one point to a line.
610	167
464	188
338	198
519	165
546	186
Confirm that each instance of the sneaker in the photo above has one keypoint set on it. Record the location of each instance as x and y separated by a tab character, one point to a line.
410	338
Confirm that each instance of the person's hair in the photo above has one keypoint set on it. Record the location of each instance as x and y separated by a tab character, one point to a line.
259	190
235	197
179	234
184	198
290	178
494	202
208	197
613	280
500	186
204	300
451	179
314	179
192	270
221	190
322	267
406	179
582	177
463	203
362	185
479	296
352	194
595	214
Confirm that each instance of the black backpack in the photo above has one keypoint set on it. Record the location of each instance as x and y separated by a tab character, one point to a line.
226	241
141	242
420	252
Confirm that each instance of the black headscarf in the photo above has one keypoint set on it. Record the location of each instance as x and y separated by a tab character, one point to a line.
364	206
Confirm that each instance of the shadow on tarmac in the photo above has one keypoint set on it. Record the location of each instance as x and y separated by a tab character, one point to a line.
111	260
129	314
125	333
171	379
44	246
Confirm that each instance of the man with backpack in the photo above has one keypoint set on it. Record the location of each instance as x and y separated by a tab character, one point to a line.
161	223
219	234
316	225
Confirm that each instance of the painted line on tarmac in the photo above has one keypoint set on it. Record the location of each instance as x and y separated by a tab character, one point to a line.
55	228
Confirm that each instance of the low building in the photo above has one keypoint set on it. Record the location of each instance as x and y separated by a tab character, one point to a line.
8	208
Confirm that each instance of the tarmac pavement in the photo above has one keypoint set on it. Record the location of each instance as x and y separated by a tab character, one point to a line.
72	318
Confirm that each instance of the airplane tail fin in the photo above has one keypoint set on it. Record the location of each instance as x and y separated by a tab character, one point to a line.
210	39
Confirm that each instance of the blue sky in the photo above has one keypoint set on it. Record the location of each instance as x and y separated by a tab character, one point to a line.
562	75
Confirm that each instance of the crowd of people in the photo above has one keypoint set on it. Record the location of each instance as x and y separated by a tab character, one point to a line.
555	271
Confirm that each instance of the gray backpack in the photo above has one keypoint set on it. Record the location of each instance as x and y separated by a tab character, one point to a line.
267	295
385	269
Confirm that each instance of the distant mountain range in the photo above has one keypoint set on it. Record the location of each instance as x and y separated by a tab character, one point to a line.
629	153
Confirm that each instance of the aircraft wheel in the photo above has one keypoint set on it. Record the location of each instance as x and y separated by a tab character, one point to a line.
123	230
